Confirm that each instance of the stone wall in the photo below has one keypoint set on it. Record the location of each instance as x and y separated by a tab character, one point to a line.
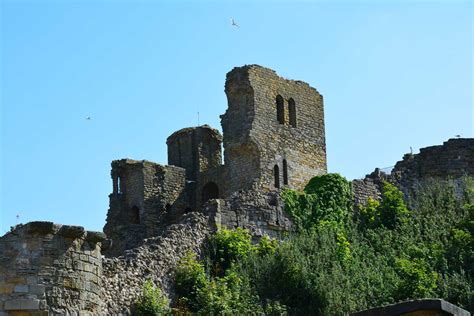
452	160
255	141
262	213
49	269
124	276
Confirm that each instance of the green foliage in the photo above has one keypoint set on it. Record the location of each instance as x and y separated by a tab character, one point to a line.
267	246
190	276
389	212
227	246
415	279
392	208
151	302
222	291
325	198
228	295
370	213
334	265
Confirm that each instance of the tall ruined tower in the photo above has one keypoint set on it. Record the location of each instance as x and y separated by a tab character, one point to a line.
273	130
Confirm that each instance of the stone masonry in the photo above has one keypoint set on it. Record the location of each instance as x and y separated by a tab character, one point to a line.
452	160
49	269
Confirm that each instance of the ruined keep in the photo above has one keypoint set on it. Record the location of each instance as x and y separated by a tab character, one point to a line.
273	137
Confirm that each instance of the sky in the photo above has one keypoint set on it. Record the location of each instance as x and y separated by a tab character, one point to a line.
394	75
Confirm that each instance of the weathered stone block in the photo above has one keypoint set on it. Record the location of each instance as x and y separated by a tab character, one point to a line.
21	288
37	289
22	304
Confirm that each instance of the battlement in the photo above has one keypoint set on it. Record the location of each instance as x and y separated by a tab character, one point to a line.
42	263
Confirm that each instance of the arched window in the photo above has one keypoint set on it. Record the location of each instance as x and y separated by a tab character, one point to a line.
135	215
209	191
280	109
292	112
285	172
276	174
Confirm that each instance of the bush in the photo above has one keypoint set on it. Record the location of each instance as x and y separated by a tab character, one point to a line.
152	302
190	276
325	198
227	246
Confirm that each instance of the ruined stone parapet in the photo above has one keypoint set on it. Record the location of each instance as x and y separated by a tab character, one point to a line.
453	159
450	161
47	269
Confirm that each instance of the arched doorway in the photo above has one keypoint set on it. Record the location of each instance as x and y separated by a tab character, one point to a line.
209	191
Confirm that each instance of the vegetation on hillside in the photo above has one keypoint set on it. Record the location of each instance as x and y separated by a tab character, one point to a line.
339	260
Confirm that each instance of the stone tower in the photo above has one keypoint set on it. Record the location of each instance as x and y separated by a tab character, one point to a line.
273	130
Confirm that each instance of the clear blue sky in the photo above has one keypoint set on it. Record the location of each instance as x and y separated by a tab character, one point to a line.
393	75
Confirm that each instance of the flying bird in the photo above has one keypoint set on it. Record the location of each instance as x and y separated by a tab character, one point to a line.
232	22
457	136
88	118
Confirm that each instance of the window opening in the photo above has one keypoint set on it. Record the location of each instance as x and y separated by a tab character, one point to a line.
135	215
292	112
285	172
280	109
276	174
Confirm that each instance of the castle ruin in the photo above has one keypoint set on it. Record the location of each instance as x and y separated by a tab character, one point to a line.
273	138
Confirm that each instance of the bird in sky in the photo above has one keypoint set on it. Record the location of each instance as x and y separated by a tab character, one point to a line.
457	136
88	118
232	22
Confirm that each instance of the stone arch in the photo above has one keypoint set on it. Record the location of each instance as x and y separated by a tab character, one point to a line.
209	191
292	112
276	176
280	107
285	172
135	215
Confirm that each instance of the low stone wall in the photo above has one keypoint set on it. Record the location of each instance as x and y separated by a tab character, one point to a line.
50	269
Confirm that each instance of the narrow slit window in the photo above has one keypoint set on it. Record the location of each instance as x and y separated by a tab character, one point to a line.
119	185
285	172
280	109
292	112
276	174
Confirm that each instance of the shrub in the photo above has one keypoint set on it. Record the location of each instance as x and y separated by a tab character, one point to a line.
227	246
190	276
325	198
151	302
391	210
